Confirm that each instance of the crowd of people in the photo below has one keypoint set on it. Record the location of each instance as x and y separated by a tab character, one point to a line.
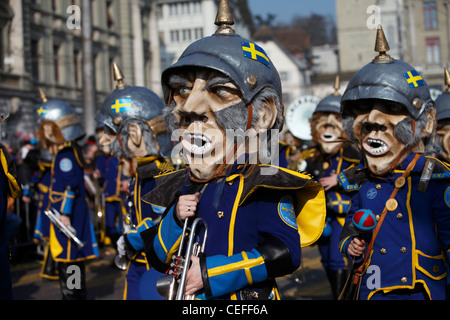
372	190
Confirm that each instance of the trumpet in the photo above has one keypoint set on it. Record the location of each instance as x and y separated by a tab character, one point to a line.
69	231
168	286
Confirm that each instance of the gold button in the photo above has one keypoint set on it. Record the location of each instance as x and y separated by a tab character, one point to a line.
435	269
378	186
399	216
404	280
220	214
325	165
383	251
400	182
391	204
403	250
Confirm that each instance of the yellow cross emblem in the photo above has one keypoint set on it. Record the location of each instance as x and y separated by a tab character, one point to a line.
41	111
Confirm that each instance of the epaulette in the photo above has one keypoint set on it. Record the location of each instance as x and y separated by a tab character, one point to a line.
309	153
433	169
352	178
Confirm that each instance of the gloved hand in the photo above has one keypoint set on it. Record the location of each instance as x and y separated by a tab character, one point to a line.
121	246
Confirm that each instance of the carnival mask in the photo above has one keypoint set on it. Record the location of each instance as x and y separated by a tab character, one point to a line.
326	129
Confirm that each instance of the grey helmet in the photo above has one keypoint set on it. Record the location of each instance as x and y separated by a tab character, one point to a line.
132	102
389	79
62	114
443	101
240	59
331	103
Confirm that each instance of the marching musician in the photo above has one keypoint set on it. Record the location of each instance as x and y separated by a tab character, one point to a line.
388	112
136	134
59	132
225	84
331	154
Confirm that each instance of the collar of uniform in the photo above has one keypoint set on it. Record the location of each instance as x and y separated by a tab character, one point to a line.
146	160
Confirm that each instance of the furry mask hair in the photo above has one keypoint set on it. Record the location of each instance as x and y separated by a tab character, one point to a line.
402	131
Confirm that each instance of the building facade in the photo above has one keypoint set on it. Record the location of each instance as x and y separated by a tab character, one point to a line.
418	32
42	47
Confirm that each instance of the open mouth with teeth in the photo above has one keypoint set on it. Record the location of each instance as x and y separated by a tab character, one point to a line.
375	147
328	137
196	143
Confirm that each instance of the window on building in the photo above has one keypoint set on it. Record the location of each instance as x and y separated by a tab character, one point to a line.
433	49
77	68
198	33
197	6
173	9
186	34
430	12
284	76
174	36
56	63
35	59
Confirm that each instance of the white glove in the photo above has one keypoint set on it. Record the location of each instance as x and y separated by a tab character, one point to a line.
121	248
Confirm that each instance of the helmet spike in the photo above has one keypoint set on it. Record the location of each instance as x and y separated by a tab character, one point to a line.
118	76
224	18
382	46
337	85
43	97
447	80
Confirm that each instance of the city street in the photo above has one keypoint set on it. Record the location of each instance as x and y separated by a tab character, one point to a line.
106	282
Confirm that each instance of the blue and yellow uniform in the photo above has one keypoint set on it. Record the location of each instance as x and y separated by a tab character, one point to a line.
144	216
253	233
67	171
413	242
8	187
338	204
111	174
42	179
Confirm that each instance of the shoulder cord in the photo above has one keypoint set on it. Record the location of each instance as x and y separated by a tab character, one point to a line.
360	270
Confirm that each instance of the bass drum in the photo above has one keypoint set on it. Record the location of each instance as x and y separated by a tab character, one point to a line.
298	114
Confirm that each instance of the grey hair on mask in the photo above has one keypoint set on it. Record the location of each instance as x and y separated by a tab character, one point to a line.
147	138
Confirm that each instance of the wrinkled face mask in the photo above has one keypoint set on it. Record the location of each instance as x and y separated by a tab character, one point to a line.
326	130
374	128
198	98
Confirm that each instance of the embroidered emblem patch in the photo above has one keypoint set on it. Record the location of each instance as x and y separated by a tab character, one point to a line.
65	165
287	212
372	193
447	197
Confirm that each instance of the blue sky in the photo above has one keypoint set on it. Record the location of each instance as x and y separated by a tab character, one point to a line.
286	9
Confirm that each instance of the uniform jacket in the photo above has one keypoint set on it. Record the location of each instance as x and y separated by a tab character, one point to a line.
414	238
320	165
144	215
67	170
244	216
42	180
